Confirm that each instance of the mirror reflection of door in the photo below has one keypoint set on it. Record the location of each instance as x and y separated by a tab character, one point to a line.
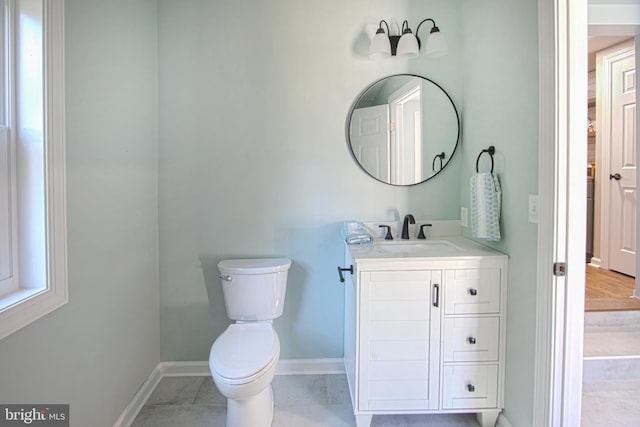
369	130
417	120
405	107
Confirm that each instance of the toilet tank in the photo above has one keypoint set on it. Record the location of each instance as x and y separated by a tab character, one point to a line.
254	289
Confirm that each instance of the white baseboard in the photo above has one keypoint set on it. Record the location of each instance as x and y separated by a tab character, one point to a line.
184	369
310	366
133	408
503	421
201	369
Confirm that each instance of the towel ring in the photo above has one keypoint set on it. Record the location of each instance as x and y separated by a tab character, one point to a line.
440	156
491	151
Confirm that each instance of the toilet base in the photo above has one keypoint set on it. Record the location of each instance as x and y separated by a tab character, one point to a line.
254	412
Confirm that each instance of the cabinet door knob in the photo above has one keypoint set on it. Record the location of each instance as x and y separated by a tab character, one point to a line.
473	292
471	340
471	388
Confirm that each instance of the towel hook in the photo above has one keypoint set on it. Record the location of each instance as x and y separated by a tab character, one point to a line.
491	151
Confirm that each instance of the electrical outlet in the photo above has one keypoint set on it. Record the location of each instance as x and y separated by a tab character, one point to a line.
533	208
464	217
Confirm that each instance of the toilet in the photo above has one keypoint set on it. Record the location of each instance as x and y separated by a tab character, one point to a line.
244	357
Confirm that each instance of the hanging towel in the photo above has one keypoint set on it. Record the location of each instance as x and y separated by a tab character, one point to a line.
355	233
486	198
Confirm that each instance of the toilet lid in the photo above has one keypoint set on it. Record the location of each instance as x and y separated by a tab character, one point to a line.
254	266
244	349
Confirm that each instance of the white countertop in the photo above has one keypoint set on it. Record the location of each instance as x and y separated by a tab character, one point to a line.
443	248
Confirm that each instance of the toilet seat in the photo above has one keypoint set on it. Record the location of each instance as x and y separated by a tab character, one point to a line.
244	352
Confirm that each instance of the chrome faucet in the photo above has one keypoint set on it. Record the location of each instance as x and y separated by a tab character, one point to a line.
408	219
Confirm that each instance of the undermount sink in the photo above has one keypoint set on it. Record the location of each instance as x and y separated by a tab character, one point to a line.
417	246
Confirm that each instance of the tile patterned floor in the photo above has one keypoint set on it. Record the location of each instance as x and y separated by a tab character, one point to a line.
323	401
610	403
612	341
611	369
300	400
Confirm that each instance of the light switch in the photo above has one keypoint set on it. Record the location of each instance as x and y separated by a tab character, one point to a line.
464	217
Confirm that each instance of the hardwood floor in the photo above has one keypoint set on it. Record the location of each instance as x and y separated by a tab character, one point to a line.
608	290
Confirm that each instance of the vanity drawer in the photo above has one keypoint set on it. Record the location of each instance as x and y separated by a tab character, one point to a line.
471	339
472	291
470	386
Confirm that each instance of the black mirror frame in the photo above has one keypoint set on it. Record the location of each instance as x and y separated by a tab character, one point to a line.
350	115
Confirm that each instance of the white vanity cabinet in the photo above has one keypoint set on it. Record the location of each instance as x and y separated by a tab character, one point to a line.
425	334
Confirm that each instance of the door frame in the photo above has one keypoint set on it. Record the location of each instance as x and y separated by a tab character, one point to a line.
563	26
396	101
562	159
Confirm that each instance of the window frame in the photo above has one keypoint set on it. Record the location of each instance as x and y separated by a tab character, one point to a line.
27	304
8	224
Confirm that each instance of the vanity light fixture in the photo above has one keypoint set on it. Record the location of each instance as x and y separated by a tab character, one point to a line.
407	45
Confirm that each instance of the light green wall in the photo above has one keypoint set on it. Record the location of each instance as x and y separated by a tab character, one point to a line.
500	108
253	159
96	351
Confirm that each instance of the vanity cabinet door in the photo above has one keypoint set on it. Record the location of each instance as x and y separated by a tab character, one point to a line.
399	340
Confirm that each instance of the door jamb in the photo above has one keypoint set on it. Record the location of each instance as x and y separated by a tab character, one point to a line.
561	167
562	35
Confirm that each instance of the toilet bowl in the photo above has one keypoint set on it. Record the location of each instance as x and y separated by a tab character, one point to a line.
243	362
244	357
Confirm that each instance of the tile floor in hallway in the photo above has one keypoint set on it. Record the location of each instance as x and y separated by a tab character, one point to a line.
300	401
611	369
610	403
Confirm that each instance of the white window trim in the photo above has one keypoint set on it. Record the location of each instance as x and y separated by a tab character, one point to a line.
24	306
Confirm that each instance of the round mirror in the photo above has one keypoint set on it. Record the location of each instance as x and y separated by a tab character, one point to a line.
403	129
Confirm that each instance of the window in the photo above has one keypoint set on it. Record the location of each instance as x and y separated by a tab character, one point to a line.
33	274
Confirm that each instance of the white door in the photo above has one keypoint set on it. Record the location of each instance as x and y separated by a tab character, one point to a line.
369	135
622	170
